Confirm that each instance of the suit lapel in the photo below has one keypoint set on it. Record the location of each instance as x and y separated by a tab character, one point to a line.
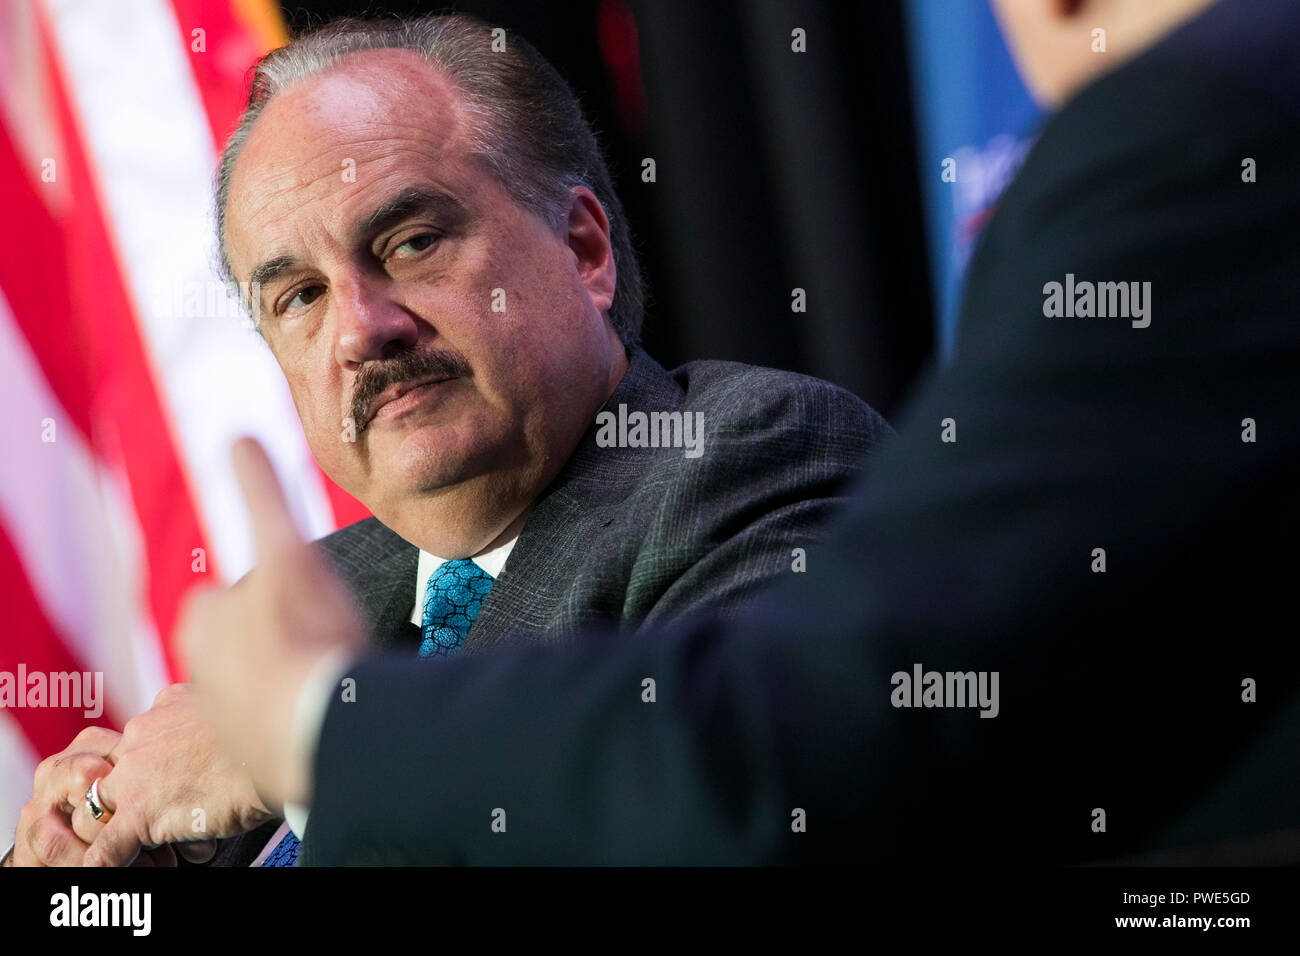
387	601
379	568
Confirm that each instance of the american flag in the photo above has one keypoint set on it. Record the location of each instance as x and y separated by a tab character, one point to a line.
126	369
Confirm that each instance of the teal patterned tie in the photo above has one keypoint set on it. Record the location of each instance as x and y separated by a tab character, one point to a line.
452	598
285	852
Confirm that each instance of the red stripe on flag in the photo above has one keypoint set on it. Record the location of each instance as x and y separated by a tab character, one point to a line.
29	639
221	53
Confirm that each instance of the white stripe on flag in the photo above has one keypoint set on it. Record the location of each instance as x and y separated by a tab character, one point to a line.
152	156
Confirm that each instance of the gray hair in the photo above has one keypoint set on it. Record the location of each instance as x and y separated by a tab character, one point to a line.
529	128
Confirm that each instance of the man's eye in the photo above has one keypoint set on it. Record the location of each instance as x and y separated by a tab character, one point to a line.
305	297
417	244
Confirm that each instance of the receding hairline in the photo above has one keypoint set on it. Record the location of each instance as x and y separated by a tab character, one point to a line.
455	98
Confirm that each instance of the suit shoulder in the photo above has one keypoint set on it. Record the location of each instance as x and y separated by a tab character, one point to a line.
357	547
756	403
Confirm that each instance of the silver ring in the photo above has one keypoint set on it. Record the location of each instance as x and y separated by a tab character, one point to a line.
92	801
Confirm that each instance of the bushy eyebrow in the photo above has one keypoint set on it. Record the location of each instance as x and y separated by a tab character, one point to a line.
407	203
271	269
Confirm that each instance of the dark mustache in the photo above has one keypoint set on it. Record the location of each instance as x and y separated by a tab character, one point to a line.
378	375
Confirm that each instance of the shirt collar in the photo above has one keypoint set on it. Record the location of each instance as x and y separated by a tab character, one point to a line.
492	562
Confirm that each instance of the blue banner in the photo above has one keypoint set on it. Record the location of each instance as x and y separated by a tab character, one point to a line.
975	121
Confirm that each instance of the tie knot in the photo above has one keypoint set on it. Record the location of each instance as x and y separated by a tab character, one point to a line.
452	597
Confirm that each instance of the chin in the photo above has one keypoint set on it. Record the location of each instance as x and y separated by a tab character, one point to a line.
421	461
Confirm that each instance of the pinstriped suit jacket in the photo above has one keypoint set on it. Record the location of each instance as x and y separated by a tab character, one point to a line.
641	536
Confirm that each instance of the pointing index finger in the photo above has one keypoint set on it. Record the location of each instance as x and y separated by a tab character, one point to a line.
268	510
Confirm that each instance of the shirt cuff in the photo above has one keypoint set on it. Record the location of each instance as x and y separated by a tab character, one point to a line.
314	695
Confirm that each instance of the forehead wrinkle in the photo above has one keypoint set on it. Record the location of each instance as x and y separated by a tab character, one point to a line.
401	135
357	92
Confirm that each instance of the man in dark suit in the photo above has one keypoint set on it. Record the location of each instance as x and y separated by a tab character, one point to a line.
1100	549
456	306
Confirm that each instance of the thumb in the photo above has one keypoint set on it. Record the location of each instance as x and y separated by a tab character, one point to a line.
273	527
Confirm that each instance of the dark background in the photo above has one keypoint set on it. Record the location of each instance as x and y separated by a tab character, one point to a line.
775	170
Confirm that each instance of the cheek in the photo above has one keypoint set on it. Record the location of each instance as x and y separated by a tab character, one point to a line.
551	309
317	395
543	338
506	309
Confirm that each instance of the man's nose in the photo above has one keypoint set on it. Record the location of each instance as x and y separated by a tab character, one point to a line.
369	322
